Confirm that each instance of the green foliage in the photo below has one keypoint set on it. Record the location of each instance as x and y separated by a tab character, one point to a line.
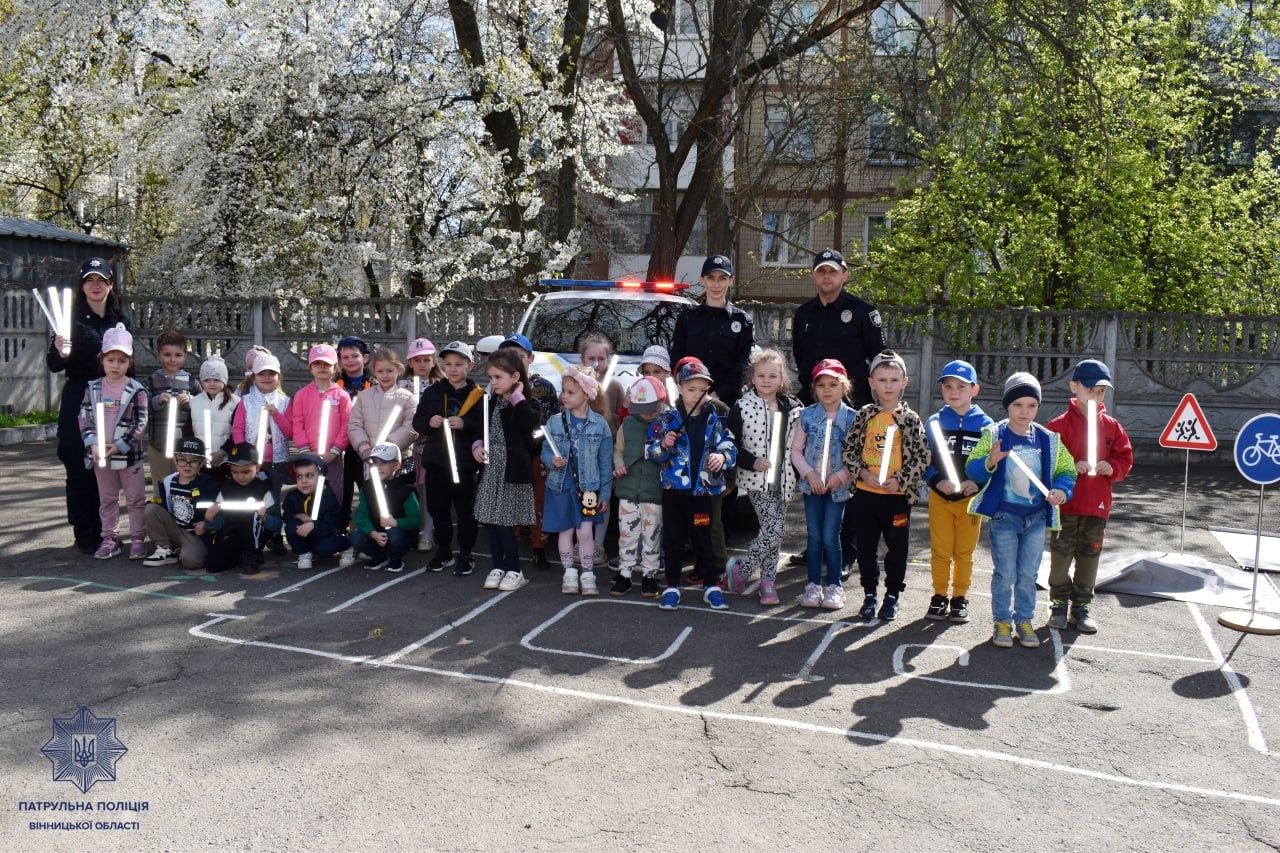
1100	155
28	419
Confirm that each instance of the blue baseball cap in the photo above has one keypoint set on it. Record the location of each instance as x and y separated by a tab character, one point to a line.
1091	373
717	263
828	258
515	339
960	369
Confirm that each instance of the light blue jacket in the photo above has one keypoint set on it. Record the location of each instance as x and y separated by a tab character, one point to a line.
593	456
813	423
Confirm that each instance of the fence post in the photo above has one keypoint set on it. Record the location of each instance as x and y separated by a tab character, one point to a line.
924	405
258	311
1110	346
413	321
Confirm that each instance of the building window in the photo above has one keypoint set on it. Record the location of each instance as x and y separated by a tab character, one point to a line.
874	227
787	136
677	108
887	140
894	26
785	241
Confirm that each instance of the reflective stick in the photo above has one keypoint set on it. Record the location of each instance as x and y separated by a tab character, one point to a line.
608	374
264	427
417	387
54	325
944	454
322	440
486	425
546	436
55	305
1031	475
208	436
246	505
100	418
887	454
386	428
66	316
673	393
315	504
1092	418
775	444
171	426
826	453
379	495
448	446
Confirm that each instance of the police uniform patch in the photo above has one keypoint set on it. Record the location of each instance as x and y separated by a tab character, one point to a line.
735	326
875	317
846	316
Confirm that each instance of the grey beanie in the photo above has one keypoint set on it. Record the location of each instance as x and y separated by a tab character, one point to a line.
214	368
1020	385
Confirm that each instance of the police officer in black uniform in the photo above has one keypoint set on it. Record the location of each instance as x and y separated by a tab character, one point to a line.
716	332
837	324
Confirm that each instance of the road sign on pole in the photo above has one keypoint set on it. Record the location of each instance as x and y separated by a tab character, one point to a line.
1188	429
1257	453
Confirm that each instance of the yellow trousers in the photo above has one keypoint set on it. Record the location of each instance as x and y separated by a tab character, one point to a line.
953	536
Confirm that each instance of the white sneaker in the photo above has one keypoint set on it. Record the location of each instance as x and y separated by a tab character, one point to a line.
304	561
426	543
569	586
492	579
346	558
512	580
588	581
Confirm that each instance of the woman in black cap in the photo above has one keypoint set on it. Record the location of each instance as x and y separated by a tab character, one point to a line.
96	308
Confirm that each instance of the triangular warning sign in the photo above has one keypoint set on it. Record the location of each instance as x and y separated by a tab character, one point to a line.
1188	429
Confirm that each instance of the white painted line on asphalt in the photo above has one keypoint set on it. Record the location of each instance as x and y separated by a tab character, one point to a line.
1059	674
805	673
441	631
377	589
527	639
776	722
1075	646
1251	724
303	582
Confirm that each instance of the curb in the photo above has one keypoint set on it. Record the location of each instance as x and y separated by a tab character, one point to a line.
25	434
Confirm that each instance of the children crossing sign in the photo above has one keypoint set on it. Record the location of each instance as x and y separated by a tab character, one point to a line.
1188	429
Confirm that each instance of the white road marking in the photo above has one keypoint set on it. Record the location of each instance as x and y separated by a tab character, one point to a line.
377	589
527	639
1059	673
776	722
1075	646
441	631
1251	724
303	582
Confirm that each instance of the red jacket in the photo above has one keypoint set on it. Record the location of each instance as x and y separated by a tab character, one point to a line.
1093	494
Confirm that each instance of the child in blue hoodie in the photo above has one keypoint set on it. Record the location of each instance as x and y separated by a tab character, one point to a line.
1026	473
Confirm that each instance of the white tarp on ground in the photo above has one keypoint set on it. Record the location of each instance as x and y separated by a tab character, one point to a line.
1158	574
1241	545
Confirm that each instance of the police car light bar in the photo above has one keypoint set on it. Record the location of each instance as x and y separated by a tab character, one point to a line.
652	286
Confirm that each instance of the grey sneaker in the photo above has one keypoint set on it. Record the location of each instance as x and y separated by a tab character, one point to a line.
1058	614
1027	635
1003	635
1081	618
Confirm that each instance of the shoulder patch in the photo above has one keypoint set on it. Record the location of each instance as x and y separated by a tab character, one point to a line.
875	317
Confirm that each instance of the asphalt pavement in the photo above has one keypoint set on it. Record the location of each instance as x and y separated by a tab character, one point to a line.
344	709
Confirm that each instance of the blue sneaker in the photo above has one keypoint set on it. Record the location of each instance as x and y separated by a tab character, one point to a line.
670	599
715	598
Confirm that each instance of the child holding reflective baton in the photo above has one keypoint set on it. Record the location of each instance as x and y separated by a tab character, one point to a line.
953	431
387	520
313	516
1025	473
243	517
1103	456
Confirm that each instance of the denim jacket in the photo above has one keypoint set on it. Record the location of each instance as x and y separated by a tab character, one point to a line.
813	423
593	456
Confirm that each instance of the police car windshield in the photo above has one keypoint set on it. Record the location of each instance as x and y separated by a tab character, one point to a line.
559	325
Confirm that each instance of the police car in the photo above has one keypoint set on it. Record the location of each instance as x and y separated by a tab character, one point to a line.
631	314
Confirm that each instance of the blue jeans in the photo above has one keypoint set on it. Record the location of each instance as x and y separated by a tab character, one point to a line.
399	543
823	516
1017	543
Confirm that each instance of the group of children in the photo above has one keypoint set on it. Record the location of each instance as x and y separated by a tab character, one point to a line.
519	456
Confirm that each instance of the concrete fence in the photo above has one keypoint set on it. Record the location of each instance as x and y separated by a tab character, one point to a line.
1231	364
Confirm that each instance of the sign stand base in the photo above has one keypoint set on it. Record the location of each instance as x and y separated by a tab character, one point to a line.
1250	623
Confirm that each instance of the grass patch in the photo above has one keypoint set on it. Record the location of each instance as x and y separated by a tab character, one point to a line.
28	419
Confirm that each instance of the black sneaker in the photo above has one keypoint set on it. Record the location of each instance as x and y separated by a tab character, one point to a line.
276	544
375	564
649	587
889	610
466	565
395	567
621	585
868	610
937	608
798	561
540	560
959	609
440	562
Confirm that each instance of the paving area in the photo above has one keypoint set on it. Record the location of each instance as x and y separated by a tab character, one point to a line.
333	708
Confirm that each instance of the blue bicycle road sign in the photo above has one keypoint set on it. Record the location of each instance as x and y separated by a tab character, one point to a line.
1257	449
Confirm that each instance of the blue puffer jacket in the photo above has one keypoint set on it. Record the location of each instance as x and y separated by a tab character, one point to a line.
677	468
593	456
1057	471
